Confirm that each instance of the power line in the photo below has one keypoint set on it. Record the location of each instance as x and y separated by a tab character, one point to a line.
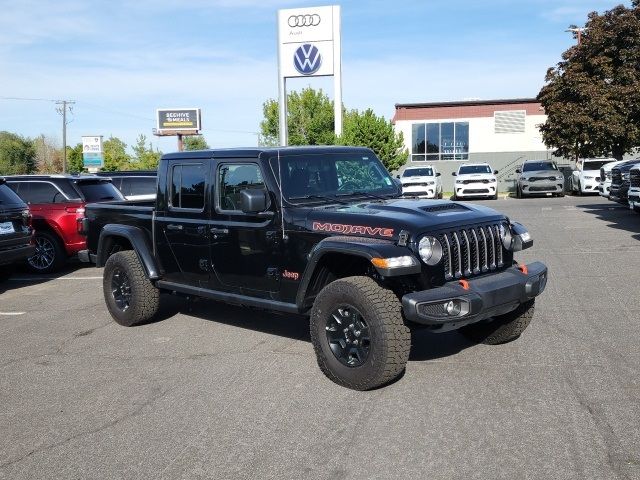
29	99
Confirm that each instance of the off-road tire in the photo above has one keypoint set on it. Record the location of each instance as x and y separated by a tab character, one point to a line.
390	339
50	255
144	300
503	328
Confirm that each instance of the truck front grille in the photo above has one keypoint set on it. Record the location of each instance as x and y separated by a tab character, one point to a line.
634	178
616	176
471	251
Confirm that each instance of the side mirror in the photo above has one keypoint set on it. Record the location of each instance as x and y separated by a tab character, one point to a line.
518	170
397	176
438	174
454	174
253	200
495	172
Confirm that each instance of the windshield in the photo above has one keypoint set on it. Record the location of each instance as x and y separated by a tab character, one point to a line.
418	172
464	170
534	166
332	174
99	191
596	165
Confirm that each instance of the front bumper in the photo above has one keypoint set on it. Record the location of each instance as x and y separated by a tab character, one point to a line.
476	190
634	199
487	296
16	254
421	191
589	186
541	187
619	193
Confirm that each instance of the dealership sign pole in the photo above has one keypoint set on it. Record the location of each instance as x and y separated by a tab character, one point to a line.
309	46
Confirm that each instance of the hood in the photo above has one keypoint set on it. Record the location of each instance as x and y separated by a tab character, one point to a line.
385	219
417	179
475	176
542	173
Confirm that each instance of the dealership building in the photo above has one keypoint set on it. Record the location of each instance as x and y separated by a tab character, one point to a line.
502	133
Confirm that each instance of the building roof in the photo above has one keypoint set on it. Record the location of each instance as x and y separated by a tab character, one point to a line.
467	103
464	109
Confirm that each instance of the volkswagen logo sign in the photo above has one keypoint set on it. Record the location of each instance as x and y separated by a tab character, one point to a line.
307	59
312	20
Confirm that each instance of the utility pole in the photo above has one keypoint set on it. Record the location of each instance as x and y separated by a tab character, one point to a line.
577	32
63	111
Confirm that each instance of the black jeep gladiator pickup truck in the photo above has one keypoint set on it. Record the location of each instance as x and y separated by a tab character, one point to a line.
323	232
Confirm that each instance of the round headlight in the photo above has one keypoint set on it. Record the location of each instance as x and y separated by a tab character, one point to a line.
505	235
430	250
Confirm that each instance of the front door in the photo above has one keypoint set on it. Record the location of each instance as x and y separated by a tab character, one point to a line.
244	247
182	235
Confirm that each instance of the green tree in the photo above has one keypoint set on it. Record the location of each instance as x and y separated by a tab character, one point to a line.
368	130
17	154
75	161
115	155
194	142
592	97
309	121
145	157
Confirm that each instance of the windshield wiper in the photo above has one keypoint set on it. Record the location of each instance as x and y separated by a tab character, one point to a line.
317	197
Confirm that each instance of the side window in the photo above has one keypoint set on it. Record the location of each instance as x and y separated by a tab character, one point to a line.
41	192
232	179
187	186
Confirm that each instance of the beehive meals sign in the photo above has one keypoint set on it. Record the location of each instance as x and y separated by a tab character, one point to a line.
182	119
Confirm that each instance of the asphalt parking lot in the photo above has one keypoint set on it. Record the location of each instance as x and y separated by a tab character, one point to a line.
214	391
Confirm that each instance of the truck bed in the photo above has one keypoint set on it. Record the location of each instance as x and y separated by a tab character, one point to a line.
138	214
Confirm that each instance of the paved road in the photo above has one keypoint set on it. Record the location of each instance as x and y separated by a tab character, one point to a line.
223	392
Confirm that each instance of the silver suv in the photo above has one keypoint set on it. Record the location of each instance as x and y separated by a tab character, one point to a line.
539	177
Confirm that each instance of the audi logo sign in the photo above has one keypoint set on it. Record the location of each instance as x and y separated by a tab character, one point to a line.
311	20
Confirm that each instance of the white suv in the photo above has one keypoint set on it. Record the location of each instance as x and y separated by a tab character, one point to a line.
423	182
586	177
475	180
605	177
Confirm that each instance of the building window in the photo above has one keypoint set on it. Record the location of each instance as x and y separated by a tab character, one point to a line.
439	141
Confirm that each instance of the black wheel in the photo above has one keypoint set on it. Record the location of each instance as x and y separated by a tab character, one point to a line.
440	195
5	272
579	191
561	194
50	255
358	333
503	328
518	191
495	197
130	296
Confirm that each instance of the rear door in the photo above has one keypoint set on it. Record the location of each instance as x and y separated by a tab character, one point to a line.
182	234
14	229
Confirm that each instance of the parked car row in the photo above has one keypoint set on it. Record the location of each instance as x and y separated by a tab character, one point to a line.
474	180
39	214
622	184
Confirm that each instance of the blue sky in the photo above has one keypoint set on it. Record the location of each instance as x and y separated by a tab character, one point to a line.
120	60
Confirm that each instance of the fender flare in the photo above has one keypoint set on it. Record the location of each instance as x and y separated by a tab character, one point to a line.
363	247
139	241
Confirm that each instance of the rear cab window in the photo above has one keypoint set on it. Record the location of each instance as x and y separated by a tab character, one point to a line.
99	191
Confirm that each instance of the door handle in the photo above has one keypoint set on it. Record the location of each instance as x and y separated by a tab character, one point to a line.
173	226
219	231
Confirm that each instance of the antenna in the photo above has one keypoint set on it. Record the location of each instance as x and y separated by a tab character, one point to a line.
284	235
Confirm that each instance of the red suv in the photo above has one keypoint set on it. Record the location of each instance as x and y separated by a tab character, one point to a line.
56	202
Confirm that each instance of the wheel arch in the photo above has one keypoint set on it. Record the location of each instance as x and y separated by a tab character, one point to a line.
115	237
339	257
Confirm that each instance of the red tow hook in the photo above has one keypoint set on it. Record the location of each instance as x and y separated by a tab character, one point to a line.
523	269
464	284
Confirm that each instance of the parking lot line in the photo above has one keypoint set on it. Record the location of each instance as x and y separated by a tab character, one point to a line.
11	314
